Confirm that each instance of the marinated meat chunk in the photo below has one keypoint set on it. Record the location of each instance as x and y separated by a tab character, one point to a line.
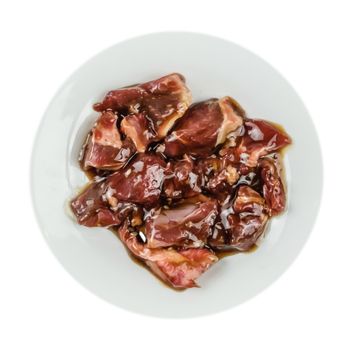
273	188
204	126
220	176
104	148
186	225
152	108
138	128
180	268
247	223
224	180
139	182
256	140
93	207
182	179
186	178
242	223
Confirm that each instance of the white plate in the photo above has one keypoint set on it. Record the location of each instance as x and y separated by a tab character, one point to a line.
213	67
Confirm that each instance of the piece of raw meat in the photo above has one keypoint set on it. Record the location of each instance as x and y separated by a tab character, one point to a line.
104	148
182	179
185	225
242	223
256	139
139	129
150	109
93	207
109	201
139	182
273	188
91	210
180	268
204	126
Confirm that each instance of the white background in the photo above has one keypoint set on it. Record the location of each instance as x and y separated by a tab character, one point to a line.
314	44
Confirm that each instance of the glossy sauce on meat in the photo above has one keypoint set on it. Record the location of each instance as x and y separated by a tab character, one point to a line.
181	186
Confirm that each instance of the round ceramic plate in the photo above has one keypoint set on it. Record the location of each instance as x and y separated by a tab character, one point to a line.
213	68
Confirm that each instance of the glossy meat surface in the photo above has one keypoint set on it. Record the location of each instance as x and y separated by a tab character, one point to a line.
94	207
273	188
91	209
137	127
139	182
186	225
248	221
150	109
183	180
204	126
180	268
104	148
242	223
257	139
